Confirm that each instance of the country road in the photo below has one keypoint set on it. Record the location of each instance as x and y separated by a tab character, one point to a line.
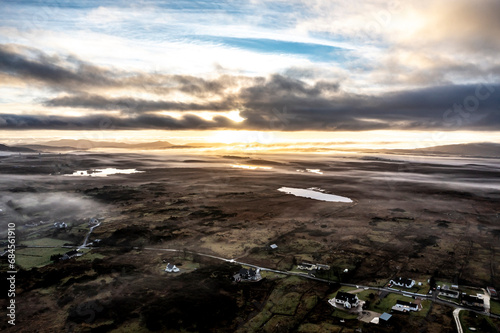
456	313
432	297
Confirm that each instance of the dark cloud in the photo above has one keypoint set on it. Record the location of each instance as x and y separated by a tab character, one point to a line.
132	105
33	65
99	122
444	107
469	107
278	102
74	75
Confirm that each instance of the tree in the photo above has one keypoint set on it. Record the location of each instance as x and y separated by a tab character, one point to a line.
55	257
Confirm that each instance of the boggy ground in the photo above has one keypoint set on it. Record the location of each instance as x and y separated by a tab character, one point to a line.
416	218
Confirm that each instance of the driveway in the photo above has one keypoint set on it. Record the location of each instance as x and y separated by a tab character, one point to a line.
456	313
486	299
367	316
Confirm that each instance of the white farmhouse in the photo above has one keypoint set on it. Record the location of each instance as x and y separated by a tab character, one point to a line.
171	268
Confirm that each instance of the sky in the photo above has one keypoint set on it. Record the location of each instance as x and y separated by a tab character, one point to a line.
421	72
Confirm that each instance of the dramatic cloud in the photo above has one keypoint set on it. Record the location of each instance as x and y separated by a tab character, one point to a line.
291	105
298	65
50	70
131	105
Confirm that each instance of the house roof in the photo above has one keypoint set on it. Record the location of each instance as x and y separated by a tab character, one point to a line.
404	281
170	266
385	316
472	299
346	297
307	264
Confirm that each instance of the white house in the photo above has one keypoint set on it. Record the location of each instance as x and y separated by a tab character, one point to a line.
60	225
171	268
347	300
307	267
403	282
93	221
405	306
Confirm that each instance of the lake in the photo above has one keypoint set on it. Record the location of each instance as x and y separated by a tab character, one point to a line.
314	193
103	172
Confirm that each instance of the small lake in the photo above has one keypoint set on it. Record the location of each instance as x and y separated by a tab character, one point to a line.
250	167
103	172
317	171
314	193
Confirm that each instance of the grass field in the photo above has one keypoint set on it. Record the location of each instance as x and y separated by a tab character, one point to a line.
323	328
44	242
36	257
344	314
287	304
495	307
388	302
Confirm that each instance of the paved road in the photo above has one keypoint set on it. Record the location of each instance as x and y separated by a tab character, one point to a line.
431	297
84	245
456	313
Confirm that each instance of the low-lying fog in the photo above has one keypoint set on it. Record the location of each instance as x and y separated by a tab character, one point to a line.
34	207
30	187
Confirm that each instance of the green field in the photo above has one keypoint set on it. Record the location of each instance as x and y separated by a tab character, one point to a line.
36	257
287	304
495	307
323	328
344	314
387	303
44	242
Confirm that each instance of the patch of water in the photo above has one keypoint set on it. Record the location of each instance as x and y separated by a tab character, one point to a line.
103	172
313	194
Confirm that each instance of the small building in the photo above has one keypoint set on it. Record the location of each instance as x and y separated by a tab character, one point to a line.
491	291
251	274
273	246
449	293
347	300
403	282
404	306
93	221
71	254
473	301
324	267
384	317
171	268
307	267
60	225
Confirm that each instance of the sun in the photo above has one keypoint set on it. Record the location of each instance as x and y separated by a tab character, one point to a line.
231	136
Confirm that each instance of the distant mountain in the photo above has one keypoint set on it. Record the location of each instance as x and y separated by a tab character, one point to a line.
88	144
48	148
16	149
485	149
